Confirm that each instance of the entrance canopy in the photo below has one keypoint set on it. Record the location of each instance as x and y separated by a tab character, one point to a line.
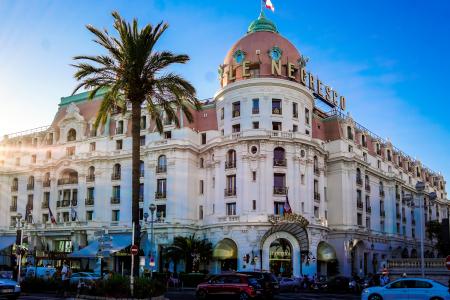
118	242
6	241
325	252
225	249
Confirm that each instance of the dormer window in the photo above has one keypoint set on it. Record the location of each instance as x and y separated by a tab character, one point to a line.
378	148
364	140
349	133
71	135
389	157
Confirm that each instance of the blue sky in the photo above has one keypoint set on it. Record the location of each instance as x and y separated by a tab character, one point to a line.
390	58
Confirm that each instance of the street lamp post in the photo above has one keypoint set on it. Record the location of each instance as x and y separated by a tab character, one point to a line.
420	188
152	208
20	224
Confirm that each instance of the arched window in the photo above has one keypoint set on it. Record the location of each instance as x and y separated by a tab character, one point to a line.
389	155
71	135
364	140
116	172
30	184
349	133
162	164
279	157
141	168
358	176
91	174
316	164
231	159
15	185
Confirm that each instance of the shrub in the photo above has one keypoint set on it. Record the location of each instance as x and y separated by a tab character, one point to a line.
32	284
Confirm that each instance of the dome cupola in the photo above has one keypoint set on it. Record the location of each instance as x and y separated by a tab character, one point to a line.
262	24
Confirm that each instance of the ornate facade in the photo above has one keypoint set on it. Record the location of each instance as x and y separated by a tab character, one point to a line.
225	177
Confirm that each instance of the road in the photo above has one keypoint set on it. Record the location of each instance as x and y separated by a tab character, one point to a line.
190	295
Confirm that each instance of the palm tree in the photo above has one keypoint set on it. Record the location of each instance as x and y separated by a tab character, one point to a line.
132	74
191	250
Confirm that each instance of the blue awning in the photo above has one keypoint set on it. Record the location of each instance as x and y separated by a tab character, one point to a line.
120	241
90	251
6	241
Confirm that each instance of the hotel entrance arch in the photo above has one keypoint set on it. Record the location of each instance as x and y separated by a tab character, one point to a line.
280	257
225	252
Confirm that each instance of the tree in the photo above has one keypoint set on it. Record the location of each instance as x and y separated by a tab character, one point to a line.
191	250
435	230
133	74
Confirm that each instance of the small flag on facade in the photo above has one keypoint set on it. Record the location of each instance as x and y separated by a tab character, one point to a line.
287	208
52	217
269	5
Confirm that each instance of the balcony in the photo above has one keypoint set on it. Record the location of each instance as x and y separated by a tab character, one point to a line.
44	205
230	164
368	209
13	208
14	188
279	190
382	213
90	178
367	187
359	204
317	197
46	183
160	195
279	162
89	201
255	110
115	200
161	169
382	193
115	176
30	186
359	181
70	180
229	192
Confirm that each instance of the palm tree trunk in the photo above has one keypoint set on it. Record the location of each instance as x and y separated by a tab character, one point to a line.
135	176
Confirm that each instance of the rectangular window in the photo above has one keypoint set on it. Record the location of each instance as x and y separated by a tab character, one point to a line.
115	216
90	194
89	215
168	135
255	125
116	191
119	144
276	107
66	217
255	106
236	111
143	122
142	140
368	223
294	128
379	164
295	110
33	158
203	138
276	126
307	116
161	186
50	139
398	228
200	212
278	208
359	219
45	218
48	154
222	113
254	204
161	212
201	187
231	185
236	128
254	175
213	182
119	129
365	156
92	146
231	209
382	225
316	211
279	180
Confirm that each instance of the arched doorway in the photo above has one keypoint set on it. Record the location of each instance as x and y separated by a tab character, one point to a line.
280	257
360	258
225	252
326	260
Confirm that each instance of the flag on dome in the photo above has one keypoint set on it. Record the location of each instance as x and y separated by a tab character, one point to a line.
287	208
269	5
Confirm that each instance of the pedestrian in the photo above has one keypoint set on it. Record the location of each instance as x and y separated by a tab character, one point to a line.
65	278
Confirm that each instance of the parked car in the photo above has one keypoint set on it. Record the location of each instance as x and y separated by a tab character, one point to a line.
237	285
289	284
408	288
83	276
269	285
41	272
336	284
9	288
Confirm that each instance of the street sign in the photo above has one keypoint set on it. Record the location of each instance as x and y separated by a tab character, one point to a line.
447	262
134	250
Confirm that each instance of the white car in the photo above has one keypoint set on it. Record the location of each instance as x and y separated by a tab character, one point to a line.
83	276
9	289
408	289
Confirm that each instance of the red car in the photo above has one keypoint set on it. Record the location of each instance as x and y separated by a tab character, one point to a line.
238	285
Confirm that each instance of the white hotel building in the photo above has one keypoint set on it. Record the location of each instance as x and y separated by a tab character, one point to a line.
223	177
